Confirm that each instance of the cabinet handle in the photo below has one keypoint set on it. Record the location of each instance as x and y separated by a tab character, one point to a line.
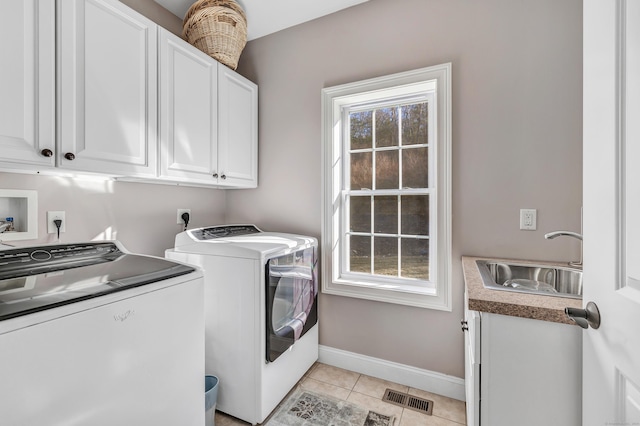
46	152
215	175
223	177
69	156
465	325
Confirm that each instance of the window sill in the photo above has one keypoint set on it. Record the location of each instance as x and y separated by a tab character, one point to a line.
421	297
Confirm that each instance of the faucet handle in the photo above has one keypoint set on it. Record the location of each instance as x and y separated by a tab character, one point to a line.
554	234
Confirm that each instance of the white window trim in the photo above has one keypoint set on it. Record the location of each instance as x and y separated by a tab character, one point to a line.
333	99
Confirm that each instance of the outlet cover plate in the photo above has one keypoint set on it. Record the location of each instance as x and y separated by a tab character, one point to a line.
51	227
528	219
179	215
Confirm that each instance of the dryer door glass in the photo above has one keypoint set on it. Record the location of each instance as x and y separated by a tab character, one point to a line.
292	292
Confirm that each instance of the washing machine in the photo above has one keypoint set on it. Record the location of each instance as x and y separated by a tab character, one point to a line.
94	335
260	299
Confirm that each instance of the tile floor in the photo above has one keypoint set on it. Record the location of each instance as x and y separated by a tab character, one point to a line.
367	392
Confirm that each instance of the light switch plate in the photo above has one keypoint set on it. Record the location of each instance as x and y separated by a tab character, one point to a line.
528	219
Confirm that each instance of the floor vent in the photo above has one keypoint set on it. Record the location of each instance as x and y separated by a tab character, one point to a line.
424	406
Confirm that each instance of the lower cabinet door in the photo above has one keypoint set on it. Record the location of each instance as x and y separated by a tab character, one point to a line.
472	367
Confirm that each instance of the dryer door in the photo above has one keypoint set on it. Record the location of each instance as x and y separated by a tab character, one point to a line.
292	292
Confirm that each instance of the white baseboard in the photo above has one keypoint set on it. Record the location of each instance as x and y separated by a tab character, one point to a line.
430	381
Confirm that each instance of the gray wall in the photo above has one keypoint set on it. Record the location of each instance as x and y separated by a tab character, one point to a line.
517	120
141	216
157	14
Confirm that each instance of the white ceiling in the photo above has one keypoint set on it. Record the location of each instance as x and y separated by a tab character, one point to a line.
268	16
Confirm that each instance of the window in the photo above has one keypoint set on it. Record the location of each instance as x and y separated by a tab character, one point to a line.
386	165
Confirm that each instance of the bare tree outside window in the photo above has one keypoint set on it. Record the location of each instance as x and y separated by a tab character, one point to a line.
388	224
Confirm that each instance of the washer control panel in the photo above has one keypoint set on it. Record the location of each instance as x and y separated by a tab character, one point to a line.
35	255
224	231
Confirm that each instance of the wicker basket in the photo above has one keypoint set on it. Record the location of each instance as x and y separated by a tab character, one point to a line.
218	28
201	4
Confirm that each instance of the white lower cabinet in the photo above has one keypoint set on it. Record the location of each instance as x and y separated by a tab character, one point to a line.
522	371
208	119
472	366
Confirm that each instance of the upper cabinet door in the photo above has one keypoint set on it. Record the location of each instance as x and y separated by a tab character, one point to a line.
107	99
237	130
27	83
188	112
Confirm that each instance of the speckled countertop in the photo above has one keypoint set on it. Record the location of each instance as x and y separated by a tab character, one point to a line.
545	308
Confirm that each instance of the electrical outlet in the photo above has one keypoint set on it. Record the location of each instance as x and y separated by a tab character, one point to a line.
51	227
179	216
528	219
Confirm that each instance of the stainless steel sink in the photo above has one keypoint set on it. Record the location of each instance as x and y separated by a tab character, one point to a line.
530	278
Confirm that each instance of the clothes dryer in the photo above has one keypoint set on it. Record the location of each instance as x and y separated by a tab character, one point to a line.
261	332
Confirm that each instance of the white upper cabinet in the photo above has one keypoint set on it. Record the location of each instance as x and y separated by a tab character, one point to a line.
237	130
107	98
188	112
27	83
208	119
114	79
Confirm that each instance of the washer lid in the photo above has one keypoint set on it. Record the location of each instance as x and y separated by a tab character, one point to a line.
33	279
244	241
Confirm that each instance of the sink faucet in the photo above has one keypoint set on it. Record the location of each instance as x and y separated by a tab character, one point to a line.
552	235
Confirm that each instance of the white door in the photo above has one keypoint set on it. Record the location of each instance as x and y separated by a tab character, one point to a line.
611	367
27	83
107	88
237	130
188	111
